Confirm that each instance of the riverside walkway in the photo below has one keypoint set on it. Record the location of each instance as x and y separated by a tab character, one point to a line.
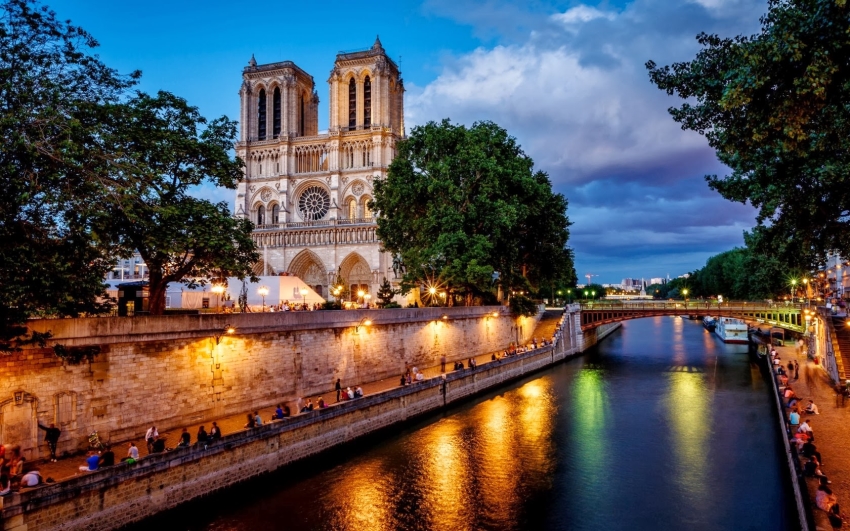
66	468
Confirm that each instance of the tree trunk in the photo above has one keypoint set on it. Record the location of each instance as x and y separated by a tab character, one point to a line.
156	300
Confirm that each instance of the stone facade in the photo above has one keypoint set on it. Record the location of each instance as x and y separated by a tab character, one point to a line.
177	370
308	193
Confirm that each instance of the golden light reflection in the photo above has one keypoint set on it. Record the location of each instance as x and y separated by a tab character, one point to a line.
536	422
367	503
447	475
498	458
688	404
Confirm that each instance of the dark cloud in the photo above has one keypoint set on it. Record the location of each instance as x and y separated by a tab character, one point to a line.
574	91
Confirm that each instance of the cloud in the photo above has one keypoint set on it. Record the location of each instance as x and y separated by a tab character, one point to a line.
576	94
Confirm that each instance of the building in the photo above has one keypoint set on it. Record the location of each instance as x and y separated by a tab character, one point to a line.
657	280
306	192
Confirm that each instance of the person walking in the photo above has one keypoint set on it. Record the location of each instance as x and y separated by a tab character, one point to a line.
796	370
338	387
443	363
51	437
151	436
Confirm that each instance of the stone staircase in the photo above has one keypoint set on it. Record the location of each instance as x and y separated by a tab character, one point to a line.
841	344
548	323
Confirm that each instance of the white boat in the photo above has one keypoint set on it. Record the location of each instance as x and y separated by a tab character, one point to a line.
731	330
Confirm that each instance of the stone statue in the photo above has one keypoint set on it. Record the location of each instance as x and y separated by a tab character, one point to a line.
398	265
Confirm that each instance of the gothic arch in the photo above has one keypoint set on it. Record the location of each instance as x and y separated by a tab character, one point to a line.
309	268
259	268
355	270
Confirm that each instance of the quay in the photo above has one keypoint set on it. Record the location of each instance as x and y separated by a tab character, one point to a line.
126	493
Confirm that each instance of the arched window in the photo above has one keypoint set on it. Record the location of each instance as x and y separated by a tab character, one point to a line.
352	104
367	213
276	214
261	115
301	124
261	215
276	119
352	208
367	102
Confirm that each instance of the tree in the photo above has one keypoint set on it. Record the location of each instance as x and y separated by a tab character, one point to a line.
162	148
774	108
52	96
460	204
385	293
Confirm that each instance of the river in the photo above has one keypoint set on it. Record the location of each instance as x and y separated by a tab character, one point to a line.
661	426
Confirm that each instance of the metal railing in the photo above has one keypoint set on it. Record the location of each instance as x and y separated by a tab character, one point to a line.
318	223
702	306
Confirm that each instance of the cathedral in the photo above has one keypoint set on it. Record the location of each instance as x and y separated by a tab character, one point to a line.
307	193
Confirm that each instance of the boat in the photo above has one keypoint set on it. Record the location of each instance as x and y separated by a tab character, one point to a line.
709	323
731	330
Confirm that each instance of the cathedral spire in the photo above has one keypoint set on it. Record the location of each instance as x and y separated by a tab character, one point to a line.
377	45
253	62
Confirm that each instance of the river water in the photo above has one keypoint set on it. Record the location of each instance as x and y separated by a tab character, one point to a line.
661	426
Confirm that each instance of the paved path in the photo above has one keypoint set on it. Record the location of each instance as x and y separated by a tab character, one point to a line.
69	467
831	428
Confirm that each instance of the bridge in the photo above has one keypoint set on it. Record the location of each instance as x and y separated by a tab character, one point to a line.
788	316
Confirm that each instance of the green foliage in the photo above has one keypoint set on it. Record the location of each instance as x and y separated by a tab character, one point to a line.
594	291
385	293
774	107
461	203
76	355
341	285
52	94
522	305
332	305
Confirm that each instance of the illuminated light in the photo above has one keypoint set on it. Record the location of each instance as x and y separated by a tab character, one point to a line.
445	317
495	314
432	290
231	330
361	293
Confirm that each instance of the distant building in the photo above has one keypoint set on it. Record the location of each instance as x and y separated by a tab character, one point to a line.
632	284
657	280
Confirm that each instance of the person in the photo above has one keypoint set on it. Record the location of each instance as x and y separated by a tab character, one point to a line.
51	437
350	393
338	389
806	427
3	462
150	437
5	485
107	458
419	377
31	478
132	453
185	439
358	392
792	404
403	380
812	409
812	469
834	515
824	498
810	450
202	436
215	432
16	462
286	411
310	406
251	422
794	418
159	446
92	462
257	420
796	370
299	405
322	403
443	363
278	413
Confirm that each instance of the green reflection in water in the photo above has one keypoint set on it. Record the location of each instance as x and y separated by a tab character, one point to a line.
688	406
589	419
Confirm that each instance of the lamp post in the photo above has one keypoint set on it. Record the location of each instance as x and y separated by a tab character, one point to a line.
806	289
263	291
218	289
360	294
366	298
433	291
569	296
304	292
685	295
793	289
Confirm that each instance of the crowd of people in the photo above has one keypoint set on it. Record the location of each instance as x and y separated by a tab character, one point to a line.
802	436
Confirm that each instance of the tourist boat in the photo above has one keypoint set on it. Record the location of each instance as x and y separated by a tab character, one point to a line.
732	330
709	323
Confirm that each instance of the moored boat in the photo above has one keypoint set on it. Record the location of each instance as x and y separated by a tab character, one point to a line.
709	323
731	330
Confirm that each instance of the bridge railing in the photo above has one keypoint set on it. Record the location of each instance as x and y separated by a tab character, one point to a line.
696	306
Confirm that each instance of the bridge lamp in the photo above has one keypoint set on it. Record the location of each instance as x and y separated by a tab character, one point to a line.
263	291
227	330
685	293
363	322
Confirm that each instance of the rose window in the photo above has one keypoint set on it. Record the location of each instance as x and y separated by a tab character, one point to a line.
314	203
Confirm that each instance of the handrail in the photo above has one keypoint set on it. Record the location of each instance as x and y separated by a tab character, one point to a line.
688	305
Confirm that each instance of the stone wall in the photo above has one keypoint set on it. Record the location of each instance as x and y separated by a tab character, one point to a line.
111	498
178	370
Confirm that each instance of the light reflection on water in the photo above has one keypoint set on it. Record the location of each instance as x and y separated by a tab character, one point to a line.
648	432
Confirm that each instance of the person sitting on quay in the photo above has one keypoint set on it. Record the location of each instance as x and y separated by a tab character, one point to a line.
825	499
16	463
257	420
812	409
321	403
401	383
203	437
107	458
251	422
159	445
31	479
806	427
215	433
812	469
350	393
92	462
419	376
132	453
278	413
5	485
358	393
151	435
309	406
185	439
794	418
810	450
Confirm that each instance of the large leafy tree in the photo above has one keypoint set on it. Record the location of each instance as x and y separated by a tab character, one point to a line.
162	148
460	204
53	252
774	106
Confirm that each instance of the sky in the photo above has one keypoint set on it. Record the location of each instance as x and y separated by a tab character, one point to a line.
567	79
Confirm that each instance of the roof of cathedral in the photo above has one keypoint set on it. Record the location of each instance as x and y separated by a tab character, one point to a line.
254	67
375	50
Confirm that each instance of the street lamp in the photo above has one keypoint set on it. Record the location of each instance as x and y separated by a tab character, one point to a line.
360	294
227	330
263	291
685	294
304	292
218	289
793	289
585	295
569	296
367	297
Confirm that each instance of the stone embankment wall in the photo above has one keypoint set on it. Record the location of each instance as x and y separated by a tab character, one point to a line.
126	493
178	370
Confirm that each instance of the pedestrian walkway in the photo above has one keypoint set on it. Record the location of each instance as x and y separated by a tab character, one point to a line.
831	428
69	467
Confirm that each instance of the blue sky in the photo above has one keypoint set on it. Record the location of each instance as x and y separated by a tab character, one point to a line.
565	78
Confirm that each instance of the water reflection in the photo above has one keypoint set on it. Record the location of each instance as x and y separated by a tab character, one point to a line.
690	419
